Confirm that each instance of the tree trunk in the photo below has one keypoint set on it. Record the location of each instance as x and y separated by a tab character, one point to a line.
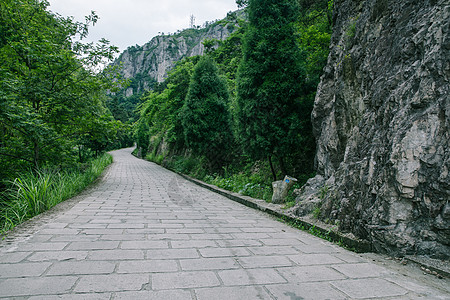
36	155
282	166
272	169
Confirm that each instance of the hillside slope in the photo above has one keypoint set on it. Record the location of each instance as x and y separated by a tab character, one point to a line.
149	63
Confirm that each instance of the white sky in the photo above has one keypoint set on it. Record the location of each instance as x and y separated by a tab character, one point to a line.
129	22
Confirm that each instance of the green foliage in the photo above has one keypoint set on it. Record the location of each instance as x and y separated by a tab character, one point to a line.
270	78
323	191
51	94
160	110
314	34
246	184
280	52
35	192
205	117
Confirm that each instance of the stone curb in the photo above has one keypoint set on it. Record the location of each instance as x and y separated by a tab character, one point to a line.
357	245
430	265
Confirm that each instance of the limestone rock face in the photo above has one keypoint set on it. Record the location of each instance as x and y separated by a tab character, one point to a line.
382	122
150	63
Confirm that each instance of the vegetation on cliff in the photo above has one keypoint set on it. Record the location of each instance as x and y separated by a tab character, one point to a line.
272	67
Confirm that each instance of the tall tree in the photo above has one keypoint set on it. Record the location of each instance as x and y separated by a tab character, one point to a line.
270	80
49	83
205	116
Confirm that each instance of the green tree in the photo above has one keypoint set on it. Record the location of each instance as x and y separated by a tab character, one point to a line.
270	81
49	84
205	116
161	108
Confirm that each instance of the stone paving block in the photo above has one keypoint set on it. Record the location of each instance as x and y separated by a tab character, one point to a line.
81	268
61	231
281	242
126	226
106	221
87	226
172	254
154	295
250	277
309	274
84	296
36	286
97	245
111	283
12	257
349	257
75	238
194	244
264	261
144	231
102	231
259	230
58	255
238	243
147	266
123	237
250	236
361	270
165	225
273	250
369	288
47	246
181	280
144	245
232	293
318	248
185	230
221	230
306	291
116	254
40	238
28	269
314	259
221	263
211	236
169	236
56	225
224	252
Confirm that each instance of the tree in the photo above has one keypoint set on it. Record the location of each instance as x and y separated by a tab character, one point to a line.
270	80
49	83
205	117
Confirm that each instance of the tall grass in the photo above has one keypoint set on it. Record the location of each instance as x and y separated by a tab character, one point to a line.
33	193
246	184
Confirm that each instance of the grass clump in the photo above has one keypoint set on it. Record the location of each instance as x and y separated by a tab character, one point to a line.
35	192
245	184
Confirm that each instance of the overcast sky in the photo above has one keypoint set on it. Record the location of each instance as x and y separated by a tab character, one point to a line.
129	22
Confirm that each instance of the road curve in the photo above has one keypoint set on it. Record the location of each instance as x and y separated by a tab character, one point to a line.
144	232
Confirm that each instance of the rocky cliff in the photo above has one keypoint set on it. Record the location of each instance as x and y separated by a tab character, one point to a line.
382	123
150	63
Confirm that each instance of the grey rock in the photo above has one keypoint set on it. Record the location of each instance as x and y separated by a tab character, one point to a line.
381	119
281	189
152	61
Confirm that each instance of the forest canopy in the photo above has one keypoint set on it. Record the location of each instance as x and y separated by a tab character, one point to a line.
272	64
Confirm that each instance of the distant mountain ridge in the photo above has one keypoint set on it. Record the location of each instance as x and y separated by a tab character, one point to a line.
148	64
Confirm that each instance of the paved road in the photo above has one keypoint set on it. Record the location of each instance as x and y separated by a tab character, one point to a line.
146	233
